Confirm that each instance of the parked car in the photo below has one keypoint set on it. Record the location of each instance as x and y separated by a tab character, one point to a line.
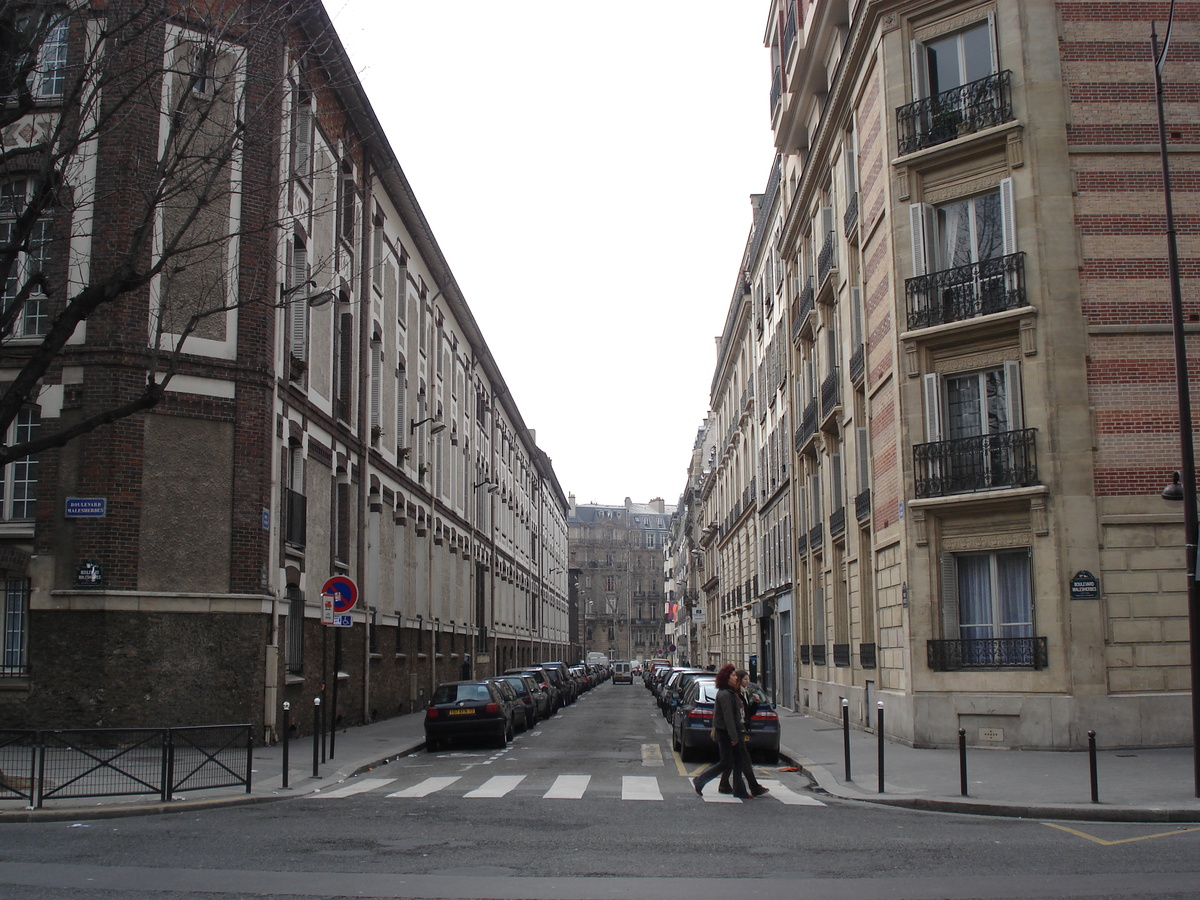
564	681
540	691
678	683
582	677
469	709
622	673
554	693
520	687
694	718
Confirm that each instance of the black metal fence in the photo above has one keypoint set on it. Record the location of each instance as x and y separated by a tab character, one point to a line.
113	762
958	111
981	463
988	653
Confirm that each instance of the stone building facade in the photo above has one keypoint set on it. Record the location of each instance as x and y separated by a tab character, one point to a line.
336	412
980	372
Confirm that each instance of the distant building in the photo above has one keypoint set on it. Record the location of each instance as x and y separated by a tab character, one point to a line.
616	555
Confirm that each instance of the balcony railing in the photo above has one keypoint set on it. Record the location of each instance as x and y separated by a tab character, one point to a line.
827	258
808	296
867	655
850	219
837	522
862	506
831	394
819	654
958	111
805	654
808	425
966	292
776	88
858	364
841	656
984	462
988	653
789	31
816	536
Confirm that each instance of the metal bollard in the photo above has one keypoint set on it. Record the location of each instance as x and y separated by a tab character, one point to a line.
846	735
962	761
879	736
316	734
1092	766
287	731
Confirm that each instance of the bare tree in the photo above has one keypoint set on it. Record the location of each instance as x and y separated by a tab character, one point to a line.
161	120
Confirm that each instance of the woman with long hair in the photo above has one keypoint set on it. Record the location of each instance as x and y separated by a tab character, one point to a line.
728	727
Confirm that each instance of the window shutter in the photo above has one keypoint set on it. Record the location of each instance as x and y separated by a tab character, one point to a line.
401	407
376	386
298	302
856	323
919	216
992	42
1012	394
949	571
346	361
851	168
920	87
1008	221
933	407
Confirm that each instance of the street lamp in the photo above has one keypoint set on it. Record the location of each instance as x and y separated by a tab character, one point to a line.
437	428
1186	445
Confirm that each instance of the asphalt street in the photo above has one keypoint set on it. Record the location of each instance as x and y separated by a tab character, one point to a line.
592	804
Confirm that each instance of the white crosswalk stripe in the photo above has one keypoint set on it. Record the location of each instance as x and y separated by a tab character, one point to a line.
427	787
640	787
358	787
568	787
564	787
497	786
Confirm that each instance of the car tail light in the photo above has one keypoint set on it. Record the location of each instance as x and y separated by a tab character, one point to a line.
699	714
767	715
431	712
492	708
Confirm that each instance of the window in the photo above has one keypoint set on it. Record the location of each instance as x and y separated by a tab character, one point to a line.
18	480
994	595
297	305
295	502
302	132
953	60
27	274
15	662
294	636
33	51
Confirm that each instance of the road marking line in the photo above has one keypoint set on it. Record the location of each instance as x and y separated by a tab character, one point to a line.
787	796
568	787
496	786
1102	842
367	784
640	787
427	787
652	755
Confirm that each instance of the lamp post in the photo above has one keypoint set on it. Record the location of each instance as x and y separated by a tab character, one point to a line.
1186	443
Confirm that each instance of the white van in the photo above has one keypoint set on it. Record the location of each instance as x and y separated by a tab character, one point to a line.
622	673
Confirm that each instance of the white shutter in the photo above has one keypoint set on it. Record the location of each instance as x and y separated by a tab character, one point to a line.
920	87
920	217
933	407
1008	221
856	323
992	42
298	302
376	387
826	222
401	407
851	168
949	572
1012	394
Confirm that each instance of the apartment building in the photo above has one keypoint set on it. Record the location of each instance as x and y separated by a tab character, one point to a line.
332	408
616	561
981	367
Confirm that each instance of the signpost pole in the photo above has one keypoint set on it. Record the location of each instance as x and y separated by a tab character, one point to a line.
337	667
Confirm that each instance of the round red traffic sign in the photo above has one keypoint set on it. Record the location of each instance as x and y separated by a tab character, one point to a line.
345	593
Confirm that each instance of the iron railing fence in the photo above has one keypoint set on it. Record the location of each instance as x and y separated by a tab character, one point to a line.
966	292
965	109
980	463
850	217
40	765
988	653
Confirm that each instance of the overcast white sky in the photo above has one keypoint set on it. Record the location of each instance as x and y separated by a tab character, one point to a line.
586	168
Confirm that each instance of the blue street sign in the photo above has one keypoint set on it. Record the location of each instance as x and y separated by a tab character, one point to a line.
342	621
86	507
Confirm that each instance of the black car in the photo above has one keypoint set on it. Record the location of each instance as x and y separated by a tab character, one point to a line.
469	709
528	704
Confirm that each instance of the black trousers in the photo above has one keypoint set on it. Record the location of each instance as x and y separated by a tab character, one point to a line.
742	762
727	765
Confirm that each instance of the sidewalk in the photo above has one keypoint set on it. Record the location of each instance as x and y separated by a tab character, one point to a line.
1134	785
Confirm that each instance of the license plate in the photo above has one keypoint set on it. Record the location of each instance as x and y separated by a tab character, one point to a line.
461	712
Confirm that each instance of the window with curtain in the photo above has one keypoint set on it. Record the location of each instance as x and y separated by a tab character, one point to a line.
995	596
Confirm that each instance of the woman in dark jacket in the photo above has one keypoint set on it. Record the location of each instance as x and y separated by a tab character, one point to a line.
742	752
728	725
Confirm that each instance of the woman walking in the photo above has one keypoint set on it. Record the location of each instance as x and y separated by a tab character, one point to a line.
741	753
728	727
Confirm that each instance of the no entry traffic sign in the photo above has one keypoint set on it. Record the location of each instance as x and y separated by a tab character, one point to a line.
344	591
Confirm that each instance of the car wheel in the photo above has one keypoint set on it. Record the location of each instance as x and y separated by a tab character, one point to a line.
686	753
510	733
772	758
431	745
675	743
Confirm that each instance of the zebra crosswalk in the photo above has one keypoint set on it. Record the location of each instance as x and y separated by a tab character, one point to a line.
563	787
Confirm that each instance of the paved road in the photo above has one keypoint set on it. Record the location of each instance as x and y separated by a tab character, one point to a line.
592	804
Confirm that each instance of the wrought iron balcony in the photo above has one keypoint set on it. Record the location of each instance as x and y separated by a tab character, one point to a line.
862	506
804	306
808	426
958	111
802	544
966	292
868	655
805	654
819	654
776	88
789	31
988	653
984	462
837	522
827	258
841	656
858	364
816	536
850	219
831	394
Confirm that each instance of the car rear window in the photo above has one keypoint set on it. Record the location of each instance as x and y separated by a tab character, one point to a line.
708	692
452	693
